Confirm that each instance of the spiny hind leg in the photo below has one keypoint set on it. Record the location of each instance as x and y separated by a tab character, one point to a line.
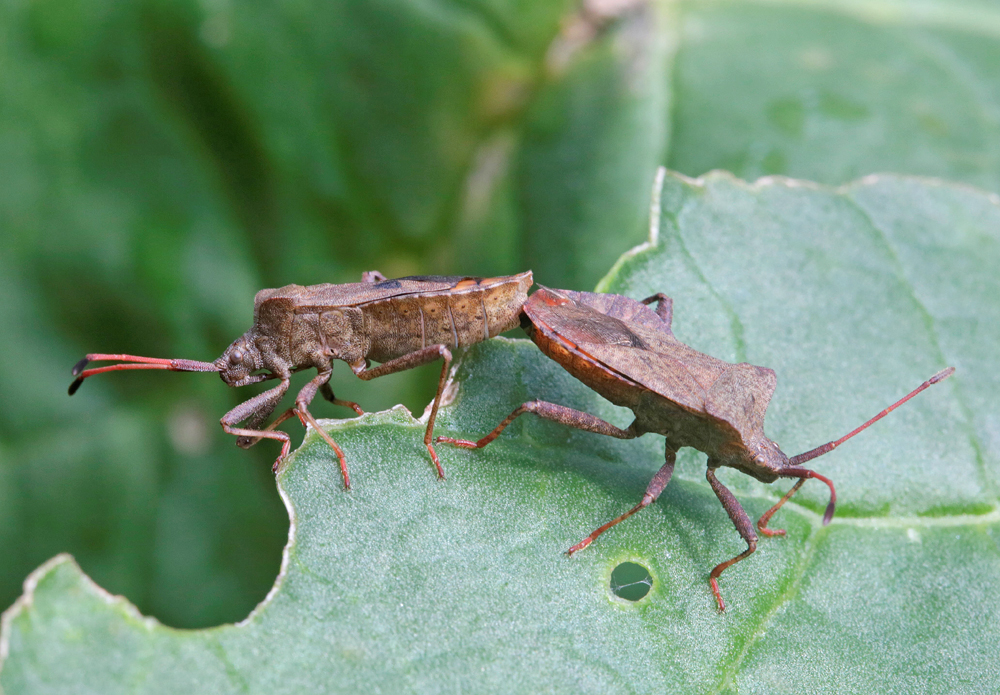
549	411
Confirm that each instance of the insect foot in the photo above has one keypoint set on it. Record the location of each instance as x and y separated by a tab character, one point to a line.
626	351
400	323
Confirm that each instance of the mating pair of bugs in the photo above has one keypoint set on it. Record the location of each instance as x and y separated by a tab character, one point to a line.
622	348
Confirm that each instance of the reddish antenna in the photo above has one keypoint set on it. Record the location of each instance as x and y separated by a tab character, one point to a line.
805	473
134	362
830	446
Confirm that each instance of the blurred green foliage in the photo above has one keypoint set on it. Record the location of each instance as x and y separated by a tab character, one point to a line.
162	160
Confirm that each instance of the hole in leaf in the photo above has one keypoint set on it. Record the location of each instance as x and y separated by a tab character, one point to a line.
631	581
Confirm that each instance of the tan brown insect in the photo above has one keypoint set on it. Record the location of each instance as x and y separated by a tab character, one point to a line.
401	323
627	353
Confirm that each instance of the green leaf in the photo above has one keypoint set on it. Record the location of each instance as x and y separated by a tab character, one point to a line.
837	89
853	295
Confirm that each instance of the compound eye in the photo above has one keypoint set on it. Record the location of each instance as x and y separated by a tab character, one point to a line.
236	357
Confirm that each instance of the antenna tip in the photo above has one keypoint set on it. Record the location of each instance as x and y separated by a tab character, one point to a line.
828	515
943	374
74	386
80	365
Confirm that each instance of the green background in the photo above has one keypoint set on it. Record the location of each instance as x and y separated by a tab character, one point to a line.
161	161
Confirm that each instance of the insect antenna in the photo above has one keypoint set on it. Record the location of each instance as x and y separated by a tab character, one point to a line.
134	362
830	446
793	469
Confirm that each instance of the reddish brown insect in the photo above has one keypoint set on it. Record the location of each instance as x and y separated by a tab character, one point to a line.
401	323
627	352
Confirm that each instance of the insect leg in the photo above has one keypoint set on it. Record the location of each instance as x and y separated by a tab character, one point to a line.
327	393
804	474
261	403
301	409
653	490
257	419
417	359
664	306
288	414
766	516
549	411
743	526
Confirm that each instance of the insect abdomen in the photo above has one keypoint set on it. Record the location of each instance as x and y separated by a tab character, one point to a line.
473	309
